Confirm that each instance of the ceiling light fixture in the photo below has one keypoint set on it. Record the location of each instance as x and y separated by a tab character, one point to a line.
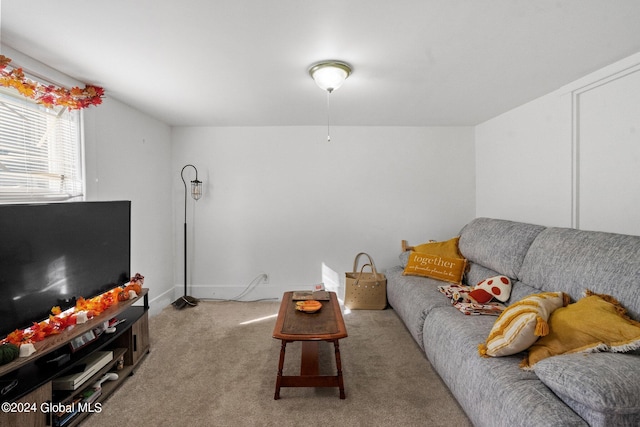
329	76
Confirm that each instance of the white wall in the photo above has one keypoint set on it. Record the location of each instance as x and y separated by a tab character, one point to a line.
556	160
282	201
523	166
127	157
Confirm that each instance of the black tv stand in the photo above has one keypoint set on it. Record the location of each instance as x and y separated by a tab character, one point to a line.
32	398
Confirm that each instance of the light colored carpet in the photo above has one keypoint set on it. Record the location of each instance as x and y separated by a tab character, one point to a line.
215	365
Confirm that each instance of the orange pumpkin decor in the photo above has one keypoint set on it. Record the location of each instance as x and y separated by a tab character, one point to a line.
133	287
123	295
135	284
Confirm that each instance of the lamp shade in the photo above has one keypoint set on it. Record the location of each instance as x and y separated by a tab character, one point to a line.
330	75
196	189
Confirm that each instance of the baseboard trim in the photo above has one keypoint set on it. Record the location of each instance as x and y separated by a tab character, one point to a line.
230	292
161	301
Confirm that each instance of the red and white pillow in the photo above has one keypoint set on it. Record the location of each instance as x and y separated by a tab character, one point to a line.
498	287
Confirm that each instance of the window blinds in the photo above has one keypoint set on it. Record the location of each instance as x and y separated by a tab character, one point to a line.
40	151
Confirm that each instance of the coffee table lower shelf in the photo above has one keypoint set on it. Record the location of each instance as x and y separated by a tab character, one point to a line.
309	369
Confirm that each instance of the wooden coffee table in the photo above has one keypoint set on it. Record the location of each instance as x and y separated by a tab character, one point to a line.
326	324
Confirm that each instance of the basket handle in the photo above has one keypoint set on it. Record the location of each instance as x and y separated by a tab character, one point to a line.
372	265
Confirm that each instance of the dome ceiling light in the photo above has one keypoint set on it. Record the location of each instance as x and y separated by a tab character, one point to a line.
329	76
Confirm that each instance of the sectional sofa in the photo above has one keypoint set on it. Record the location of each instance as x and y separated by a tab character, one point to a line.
577	389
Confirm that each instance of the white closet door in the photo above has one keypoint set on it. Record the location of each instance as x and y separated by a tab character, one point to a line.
608	156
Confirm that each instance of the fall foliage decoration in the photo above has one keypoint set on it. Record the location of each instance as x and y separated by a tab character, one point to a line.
48	95
58	321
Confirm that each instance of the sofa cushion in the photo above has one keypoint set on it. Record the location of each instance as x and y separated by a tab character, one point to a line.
492	391
594	323
521	324
476	273
496	244
412	297
603	388
521	290
574	260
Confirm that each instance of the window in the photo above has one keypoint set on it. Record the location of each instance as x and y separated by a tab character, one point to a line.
40	151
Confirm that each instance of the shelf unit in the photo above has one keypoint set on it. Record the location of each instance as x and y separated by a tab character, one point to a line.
33	395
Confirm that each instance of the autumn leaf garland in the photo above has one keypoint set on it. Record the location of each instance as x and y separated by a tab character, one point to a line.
59	321
48	95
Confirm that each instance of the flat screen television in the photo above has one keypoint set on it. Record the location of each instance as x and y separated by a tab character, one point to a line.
53	253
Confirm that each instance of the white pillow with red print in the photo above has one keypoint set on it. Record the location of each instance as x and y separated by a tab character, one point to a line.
498	287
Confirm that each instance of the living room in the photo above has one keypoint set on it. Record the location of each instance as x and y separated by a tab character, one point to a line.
279	200
284	209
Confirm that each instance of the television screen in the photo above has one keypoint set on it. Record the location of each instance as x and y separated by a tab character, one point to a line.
51	254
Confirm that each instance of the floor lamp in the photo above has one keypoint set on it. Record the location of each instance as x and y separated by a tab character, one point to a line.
196	193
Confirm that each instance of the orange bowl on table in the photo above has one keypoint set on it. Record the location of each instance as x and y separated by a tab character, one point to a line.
309	306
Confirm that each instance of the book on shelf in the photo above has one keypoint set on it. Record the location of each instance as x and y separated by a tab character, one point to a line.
68	412
91	395
63	420
310	295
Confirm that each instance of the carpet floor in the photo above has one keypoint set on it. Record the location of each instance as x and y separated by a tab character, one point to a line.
215	365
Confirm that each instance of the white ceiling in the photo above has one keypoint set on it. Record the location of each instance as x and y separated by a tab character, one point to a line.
244	62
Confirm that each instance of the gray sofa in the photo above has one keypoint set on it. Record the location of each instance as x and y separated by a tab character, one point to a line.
600	389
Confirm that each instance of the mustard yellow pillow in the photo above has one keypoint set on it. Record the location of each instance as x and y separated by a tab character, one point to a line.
594	323
447	248
438	260
521	324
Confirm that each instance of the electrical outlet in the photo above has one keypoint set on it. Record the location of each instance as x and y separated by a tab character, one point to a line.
265	278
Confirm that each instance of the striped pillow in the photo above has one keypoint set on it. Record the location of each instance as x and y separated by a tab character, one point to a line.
521	324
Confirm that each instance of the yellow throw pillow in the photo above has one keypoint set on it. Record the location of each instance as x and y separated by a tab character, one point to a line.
447	249
437	260
521	324
595	323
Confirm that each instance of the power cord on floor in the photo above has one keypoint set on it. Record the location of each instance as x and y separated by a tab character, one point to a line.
250	287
